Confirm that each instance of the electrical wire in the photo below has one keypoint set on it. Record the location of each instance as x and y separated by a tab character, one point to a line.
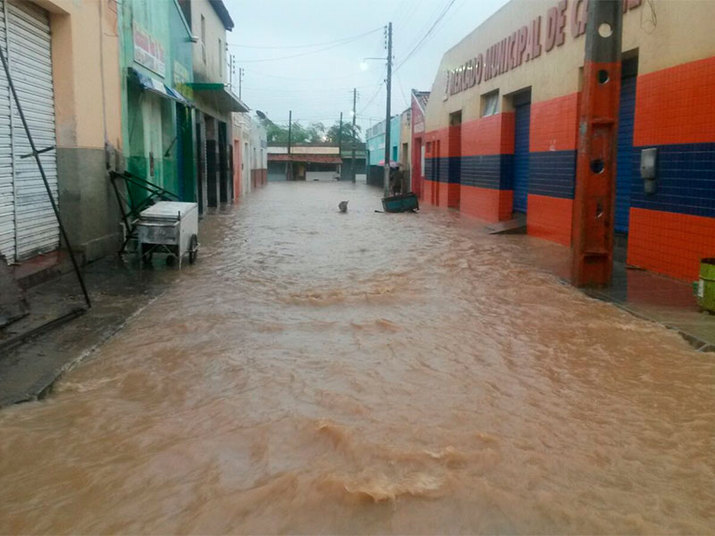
426	35
369	102
334	45
323	43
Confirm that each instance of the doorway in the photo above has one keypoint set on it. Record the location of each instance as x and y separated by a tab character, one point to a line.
522	122
454	160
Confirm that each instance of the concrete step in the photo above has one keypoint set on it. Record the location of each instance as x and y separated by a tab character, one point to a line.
517	225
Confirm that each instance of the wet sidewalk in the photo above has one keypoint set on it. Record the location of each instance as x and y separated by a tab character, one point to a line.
29	369
647	295
667	301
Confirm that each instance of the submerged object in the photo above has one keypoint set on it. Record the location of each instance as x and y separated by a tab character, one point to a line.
400	203
343	206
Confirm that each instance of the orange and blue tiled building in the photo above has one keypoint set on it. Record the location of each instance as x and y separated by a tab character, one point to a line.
523	158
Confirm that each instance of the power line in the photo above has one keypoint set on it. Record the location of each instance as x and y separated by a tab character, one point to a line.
426	35
308	89
323	43
369	102
305	78
334	45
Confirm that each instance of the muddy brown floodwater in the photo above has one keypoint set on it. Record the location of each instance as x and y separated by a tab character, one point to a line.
319	372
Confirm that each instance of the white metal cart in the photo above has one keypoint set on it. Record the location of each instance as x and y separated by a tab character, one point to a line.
169	227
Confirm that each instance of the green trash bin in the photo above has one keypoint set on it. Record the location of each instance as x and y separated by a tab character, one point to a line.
706	285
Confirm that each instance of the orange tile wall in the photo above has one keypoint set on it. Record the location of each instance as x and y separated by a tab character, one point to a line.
550	218
670	243
486	203
554	124
676	105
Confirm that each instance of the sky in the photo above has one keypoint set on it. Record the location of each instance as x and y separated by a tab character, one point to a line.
308	55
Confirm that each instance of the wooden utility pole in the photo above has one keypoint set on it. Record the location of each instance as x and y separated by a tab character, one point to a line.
594	198
240	80
387	110
290	162
352	162
340	144
340	136
290	127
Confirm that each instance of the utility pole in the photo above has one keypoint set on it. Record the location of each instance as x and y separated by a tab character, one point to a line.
240	80
340	136
387	110
352	162
594	197
340	143
290	127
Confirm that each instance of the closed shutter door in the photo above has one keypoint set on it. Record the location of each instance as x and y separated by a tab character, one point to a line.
7	196
624	162
28	29
521	157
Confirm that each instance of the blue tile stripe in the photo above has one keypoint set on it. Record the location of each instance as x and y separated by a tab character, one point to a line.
437	169
685	180
685	183
551	173
486	171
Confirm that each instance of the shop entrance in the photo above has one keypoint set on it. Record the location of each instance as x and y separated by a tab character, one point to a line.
522	119
454	160
624	161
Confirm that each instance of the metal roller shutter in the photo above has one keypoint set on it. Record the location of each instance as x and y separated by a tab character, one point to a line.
7	195
624	161
521	157
28	37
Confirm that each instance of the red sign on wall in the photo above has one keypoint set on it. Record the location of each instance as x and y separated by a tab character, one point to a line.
148	52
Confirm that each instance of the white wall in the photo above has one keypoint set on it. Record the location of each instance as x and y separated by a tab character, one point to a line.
209	63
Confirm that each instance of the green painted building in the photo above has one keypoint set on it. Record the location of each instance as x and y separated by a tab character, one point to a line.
157	114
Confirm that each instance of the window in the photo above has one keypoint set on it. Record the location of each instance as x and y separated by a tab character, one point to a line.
490	103
203	38
220	59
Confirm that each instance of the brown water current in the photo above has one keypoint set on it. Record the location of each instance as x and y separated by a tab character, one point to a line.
318	372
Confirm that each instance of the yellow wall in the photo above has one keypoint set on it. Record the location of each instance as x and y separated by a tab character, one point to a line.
682	32
85	60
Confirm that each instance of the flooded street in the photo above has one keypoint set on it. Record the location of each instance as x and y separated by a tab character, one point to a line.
318	372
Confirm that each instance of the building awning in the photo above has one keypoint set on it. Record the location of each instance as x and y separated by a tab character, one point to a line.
223	99
154	85
309	158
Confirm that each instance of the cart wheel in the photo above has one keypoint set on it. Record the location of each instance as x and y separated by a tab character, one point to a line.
193	248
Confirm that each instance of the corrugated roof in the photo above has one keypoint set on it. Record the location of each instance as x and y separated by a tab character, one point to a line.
421	97
312	158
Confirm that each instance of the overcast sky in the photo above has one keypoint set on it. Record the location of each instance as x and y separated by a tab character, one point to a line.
329	41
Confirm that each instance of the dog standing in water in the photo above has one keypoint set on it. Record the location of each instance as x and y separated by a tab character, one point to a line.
343	206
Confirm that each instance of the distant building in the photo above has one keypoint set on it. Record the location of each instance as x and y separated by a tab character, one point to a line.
419	101
352	170
375	142
250	154
304	162
405	144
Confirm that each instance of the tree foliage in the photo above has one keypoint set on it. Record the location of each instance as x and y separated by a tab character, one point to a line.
313	133
349	136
